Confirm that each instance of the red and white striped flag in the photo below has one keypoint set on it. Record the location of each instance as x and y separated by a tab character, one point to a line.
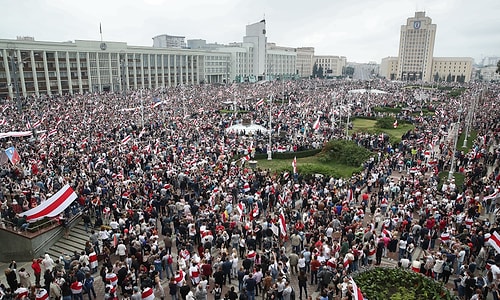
282	224
259	103
52	132
494	241
41	294
246	187
356	291
53	206
240	208
3	121
126	139
294	165
148	294
395	124
316	124
246	158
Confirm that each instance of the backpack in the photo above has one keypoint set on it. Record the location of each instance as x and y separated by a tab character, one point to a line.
446	267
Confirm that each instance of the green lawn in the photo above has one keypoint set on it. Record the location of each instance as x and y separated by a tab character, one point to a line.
470	140
308	165
368	125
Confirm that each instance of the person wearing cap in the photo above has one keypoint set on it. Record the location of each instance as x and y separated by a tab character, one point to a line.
137	294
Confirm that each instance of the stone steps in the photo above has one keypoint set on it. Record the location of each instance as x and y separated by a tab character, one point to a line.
75	241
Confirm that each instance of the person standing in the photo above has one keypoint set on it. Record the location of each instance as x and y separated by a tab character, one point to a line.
88	285
302	278
24	278
37	270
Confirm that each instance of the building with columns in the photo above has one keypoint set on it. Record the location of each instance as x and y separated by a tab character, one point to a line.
87	66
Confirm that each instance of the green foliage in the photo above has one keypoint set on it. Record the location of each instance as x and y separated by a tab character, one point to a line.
387	109
344	152
399	284
385	123
289	155
459	180
456	92
470	141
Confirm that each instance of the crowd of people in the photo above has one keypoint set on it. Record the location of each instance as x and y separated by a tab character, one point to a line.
174	210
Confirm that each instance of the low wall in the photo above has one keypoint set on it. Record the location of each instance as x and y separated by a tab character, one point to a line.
24	247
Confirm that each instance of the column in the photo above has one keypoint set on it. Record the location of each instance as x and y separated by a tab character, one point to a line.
91	88
98	71
79	73
33	70
142	70
175	69
46	70
20	73
135	71
149	70
110	70
68	71
58	74
6	64
169	57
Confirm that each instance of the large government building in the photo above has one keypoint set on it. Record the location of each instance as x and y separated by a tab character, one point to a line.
416	59
29	67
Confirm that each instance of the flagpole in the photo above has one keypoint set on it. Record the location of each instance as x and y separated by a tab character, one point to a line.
269	151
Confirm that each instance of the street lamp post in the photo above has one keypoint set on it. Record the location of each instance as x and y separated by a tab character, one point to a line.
269	150
452	166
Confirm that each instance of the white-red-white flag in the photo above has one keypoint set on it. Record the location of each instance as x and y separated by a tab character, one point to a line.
395	124
148	294
356	291
294	165
494	241
316	124
259	103
126	139
282	224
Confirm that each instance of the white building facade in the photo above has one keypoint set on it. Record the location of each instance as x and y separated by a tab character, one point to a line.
333	66
169	41
305	61
88	66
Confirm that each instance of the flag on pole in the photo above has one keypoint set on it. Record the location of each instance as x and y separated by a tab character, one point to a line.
494	241
13	155
100	28
316	124
356	291
395	124
294	165
259	103
275	229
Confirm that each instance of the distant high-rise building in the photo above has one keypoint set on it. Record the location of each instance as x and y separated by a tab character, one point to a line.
256	36
416	48
169	41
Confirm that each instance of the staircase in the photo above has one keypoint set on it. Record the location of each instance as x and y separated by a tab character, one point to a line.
74	242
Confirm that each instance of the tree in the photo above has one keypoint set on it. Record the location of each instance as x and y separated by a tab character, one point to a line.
498	67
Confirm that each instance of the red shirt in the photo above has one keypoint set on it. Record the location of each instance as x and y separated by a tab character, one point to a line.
315	264
36	267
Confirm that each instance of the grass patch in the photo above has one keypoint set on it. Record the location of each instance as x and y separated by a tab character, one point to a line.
470	141
309	165
459	179
367	125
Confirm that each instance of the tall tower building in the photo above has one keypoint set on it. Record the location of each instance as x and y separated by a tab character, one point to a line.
256	38
416	48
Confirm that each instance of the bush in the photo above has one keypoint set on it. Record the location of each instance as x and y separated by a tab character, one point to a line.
395	284
289	155
385	123
344	152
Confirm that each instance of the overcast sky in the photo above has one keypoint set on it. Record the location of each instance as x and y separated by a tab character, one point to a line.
361	30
